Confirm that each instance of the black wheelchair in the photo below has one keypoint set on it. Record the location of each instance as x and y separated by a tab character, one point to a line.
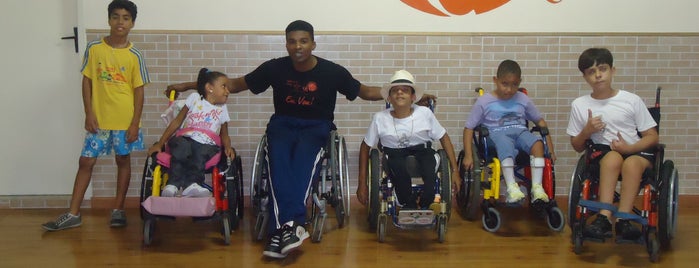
657	214
480	186
383	203
330	187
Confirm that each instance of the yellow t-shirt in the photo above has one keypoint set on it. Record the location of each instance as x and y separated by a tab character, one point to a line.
114	74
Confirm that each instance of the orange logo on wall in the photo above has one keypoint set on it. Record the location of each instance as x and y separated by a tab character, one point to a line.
459	7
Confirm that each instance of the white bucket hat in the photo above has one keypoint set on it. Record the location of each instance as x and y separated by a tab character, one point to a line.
402	78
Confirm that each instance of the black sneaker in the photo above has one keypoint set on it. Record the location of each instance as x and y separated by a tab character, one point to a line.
273	249
627	231
600	228
292	237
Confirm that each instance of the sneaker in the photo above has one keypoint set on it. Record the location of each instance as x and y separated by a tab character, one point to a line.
273	249
292	237
514	194
195	190
600	228
169	191
626	231
64	221
118	218
538	193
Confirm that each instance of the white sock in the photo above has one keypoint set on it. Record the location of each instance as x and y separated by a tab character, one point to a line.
537	165
508	170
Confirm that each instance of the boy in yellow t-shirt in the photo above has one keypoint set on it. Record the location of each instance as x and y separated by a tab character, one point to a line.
114	74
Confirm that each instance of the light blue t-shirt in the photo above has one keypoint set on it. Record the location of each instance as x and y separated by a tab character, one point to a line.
496	114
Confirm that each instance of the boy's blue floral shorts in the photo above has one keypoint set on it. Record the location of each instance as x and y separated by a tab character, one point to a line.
102	142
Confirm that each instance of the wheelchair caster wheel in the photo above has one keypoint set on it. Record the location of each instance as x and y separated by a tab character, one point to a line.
148	230
226	230
491	220
381	228
653	247
441	228
318	225
260	226
555	219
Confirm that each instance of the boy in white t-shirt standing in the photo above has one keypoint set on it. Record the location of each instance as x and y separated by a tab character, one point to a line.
612	119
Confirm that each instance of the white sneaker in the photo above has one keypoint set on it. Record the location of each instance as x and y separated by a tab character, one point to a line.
514	194
538	193
195	190
169	191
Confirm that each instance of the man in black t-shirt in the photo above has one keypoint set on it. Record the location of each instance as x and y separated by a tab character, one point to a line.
304	89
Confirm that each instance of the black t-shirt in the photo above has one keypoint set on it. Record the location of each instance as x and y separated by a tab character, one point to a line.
308	95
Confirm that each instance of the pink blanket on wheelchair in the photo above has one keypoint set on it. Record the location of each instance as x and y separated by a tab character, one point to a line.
180	206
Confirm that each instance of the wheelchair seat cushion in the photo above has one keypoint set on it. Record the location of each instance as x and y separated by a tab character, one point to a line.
180	206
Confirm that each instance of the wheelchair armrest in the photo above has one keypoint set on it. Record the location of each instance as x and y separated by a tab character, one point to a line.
482	131
544	131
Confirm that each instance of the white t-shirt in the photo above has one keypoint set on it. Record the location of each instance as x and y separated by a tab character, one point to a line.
418	128
203	115
624	113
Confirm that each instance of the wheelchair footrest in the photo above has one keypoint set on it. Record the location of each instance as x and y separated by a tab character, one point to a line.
640	240
594	239
597	206
416	217
631	216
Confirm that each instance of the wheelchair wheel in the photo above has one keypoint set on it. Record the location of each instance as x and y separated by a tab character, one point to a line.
148	230
146	183
667	206
441	228
233	196
374	183
337	184
226	228
241	197
445	180
344	175
491	220
381	228
259	190
469	196
576	183
555	219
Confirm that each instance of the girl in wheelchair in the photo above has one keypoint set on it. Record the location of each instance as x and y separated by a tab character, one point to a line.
402	130
200	129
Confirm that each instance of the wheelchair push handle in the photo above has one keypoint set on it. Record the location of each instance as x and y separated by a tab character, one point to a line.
171	97
657	97
480	91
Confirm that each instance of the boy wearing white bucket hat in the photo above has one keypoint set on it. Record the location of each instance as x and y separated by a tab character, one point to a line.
405	129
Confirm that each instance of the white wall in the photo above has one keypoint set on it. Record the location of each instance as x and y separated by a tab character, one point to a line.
394	16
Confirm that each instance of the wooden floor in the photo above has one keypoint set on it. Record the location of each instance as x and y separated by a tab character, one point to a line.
523	241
